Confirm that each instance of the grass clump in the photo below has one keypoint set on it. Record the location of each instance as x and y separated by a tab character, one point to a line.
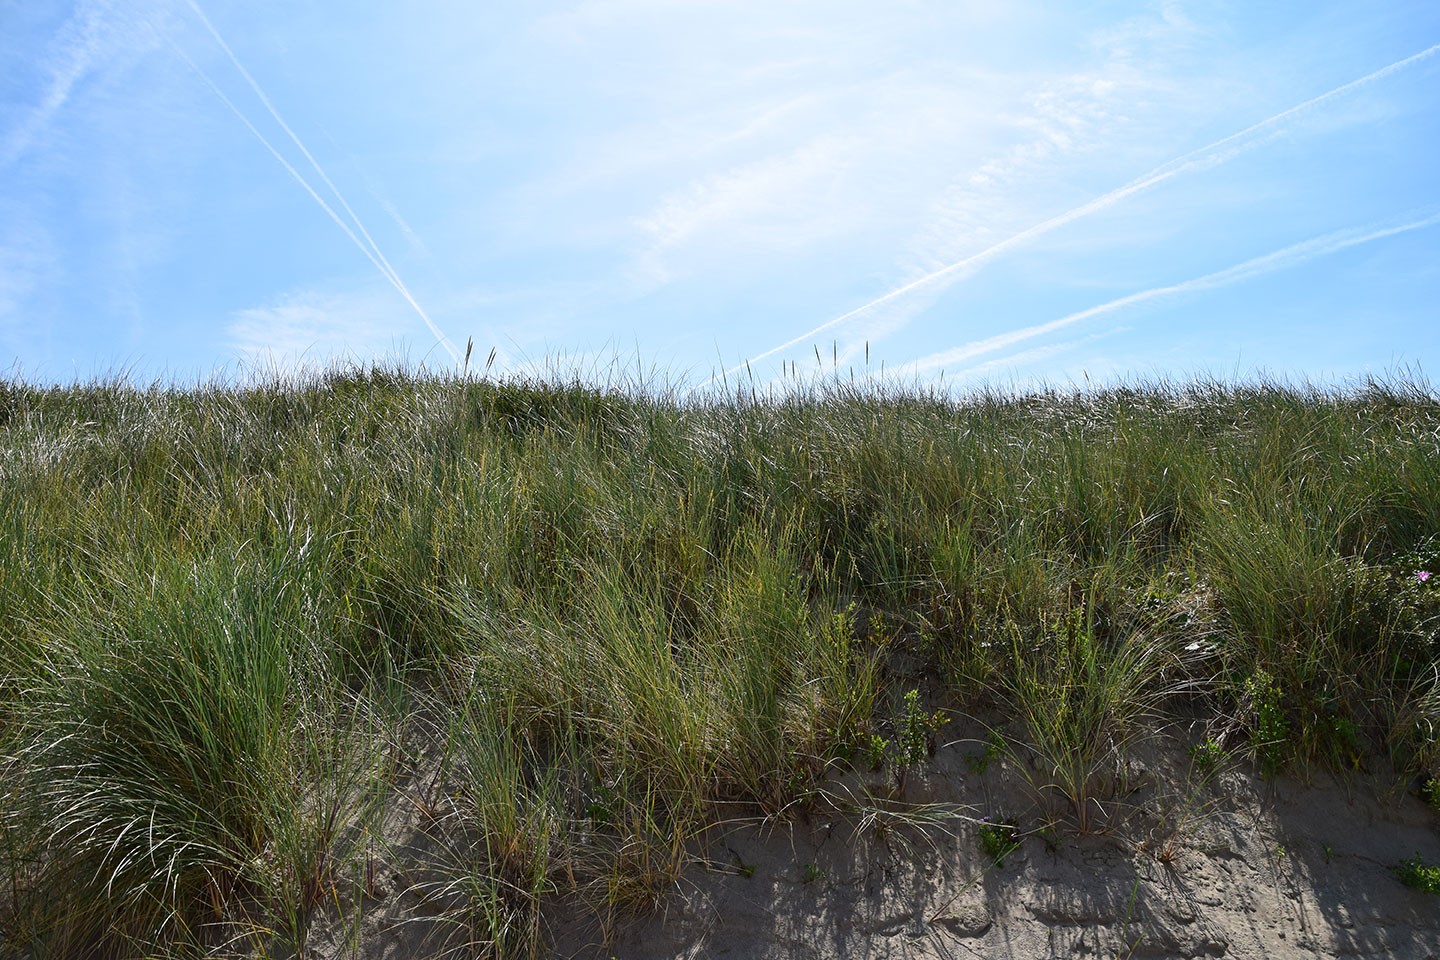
620	618
185	762
1082	697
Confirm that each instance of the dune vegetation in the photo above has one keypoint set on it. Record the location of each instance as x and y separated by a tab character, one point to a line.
582	626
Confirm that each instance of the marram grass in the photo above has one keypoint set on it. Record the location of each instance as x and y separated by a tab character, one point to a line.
580	627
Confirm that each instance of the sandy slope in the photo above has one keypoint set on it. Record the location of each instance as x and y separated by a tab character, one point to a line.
1186	864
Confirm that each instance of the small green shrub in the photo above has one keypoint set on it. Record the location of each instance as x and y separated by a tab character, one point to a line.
811	873
1207	756
878	749
913	739
998	839
916	731
978	763
1345	740
1418	874
1269	729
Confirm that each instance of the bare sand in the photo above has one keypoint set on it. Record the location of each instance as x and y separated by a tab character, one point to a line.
1179	861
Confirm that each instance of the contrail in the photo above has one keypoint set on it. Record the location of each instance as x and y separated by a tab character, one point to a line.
1204	158
297	176
368	247
1036	353
294	138
1279	260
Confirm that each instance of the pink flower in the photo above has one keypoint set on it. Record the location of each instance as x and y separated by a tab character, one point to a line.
1422	575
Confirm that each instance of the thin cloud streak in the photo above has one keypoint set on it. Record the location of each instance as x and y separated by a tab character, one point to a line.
368	247
1279	260
83	42
308	328
1030	356
1204	158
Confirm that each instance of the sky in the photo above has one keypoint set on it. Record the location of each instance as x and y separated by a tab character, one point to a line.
949	192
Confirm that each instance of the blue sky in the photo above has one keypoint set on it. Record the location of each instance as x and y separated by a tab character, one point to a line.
1005	192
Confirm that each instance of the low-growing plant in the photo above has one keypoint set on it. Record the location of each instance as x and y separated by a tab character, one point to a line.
1346	743
1207	756
912	738
877	748
1418	874
1269	726
915	732
999	837
979	761
1187	801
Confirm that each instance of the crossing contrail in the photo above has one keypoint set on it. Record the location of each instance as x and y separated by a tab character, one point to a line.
1203	158
1290	256
284	162
367	245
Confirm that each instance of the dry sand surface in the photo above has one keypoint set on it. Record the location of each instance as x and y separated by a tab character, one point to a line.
1187	863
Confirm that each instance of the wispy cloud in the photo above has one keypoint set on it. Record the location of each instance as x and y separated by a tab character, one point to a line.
716	130
1065	121
749	132
1204	158
1290	256
79	47
354	229
311	329
770	202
